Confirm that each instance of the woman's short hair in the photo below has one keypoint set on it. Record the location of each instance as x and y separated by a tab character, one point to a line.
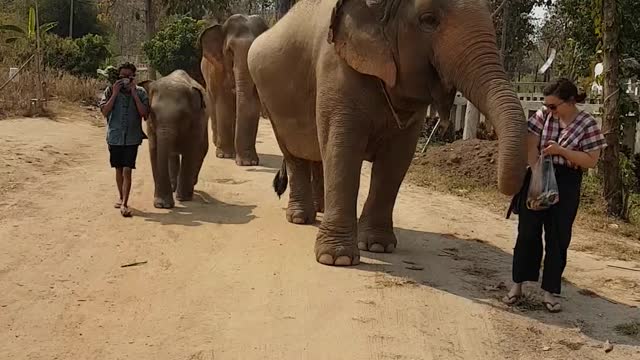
565	90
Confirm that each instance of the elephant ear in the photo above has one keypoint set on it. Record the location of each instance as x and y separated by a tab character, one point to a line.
146	85
357	32
203	104
212	43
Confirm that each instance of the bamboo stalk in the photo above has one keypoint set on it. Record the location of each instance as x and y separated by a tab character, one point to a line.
17	72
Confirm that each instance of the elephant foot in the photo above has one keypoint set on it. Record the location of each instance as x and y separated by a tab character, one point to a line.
247	161
301	217
376	240
161	203
186	196
319	206
221	154
336	250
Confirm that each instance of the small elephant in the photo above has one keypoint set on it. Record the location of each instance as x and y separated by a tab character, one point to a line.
353	82
178	135
236	107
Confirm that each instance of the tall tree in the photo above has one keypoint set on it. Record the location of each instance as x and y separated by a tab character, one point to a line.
282	6
610	164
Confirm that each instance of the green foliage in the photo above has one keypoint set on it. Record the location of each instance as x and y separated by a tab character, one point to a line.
197	9
27	33
85	19
110	73
519	41
176	47
80	57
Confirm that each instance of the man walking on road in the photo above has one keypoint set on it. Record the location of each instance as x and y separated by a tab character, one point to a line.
124	104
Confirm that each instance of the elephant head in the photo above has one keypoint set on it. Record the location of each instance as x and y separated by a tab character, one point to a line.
423	50
225	47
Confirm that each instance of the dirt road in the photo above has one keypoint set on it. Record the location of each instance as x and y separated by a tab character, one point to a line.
226	276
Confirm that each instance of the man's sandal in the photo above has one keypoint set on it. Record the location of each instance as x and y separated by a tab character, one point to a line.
552	307
126	212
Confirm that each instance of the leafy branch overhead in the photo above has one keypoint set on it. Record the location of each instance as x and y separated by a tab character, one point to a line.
29	31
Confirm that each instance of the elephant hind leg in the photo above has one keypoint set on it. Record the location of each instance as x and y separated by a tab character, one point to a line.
301	209
317	185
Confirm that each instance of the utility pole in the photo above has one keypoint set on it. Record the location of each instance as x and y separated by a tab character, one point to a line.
503	38
150	24
71	21
609	162
41	98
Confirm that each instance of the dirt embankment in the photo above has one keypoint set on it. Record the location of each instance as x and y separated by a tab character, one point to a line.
471	163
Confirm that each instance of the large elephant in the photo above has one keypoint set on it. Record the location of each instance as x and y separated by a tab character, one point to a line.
178	135
236	107
353	83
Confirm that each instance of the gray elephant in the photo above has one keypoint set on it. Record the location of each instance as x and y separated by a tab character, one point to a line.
178	135
353	83
236	107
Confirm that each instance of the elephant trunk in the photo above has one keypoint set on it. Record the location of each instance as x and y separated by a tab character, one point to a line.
473	65
247	104
165	146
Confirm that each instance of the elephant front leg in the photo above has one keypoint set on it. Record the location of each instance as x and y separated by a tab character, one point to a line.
300	209
163	197
225	124
342	154
248	116
392	160
174	169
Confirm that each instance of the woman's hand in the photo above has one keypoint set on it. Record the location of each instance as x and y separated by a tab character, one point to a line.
553	148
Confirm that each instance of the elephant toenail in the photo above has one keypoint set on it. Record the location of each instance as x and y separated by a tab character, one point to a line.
362	246
376	248
390	248
325	259
343	261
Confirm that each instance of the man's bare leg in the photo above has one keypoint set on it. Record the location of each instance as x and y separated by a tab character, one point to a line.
126	189
119	180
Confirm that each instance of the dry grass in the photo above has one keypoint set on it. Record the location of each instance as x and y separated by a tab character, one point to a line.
15	98
631	329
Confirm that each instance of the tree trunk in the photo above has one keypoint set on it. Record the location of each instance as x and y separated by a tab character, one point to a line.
282	6
471	119
609	164
150	23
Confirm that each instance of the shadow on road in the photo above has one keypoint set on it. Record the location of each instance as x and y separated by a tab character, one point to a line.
473	269
203	209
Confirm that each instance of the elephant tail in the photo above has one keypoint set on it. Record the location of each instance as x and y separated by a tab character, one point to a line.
281	180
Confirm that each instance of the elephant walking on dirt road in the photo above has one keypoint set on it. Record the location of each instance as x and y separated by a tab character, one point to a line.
353	83
236	107
178	136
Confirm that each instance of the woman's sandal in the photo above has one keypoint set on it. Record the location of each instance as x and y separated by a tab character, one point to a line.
510	300
552	307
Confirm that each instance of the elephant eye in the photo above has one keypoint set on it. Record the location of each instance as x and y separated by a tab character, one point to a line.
428	22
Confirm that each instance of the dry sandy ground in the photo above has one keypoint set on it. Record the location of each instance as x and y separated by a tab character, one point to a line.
226	276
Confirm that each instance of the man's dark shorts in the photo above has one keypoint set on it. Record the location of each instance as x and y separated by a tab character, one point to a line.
123	156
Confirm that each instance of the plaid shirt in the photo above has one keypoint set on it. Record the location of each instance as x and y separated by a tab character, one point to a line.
583	134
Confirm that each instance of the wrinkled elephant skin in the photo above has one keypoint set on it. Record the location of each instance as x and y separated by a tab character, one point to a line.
353	83
236	107
178	136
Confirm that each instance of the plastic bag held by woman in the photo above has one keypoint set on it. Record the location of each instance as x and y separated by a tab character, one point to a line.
543	188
